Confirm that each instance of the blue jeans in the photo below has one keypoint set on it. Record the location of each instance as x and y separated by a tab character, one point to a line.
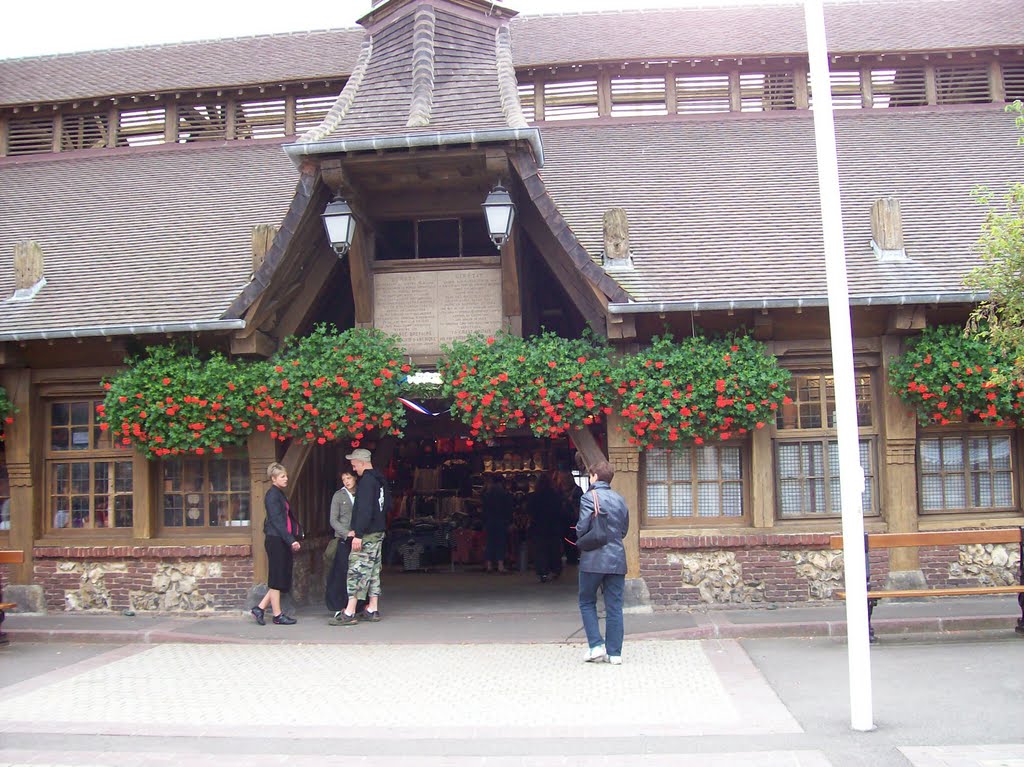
614	585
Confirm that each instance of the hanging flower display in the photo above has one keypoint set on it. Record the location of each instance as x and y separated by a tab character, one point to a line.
6	413
946	375
333	385
170	401
546	383
699	389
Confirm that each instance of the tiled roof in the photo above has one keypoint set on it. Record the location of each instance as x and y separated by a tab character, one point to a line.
893	25
138	237
727	208
428	71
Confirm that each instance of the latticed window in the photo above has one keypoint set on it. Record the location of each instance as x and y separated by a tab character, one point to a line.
570	100
633	96
84	131
142	127
767	91
698	484
264	118
310	111
967	472
962	85
528	101
808	477
903	87
1013	81
30	135
702	93
807	451
846	89
89	482
202	121
205	492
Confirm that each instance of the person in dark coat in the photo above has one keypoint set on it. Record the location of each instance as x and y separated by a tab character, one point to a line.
604	567
336	590
497	517
544	505
279	540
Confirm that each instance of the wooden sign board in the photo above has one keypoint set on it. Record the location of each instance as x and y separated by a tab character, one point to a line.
429	308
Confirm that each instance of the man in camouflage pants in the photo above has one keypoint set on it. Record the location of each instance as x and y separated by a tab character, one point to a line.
369	517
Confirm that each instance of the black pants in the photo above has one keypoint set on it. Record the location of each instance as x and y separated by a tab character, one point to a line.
336	589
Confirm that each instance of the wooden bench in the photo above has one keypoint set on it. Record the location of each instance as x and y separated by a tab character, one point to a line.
952	538
7	558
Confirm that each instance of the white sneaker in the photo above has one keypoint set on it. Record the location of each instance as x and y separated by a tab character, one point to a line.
615	660
595	654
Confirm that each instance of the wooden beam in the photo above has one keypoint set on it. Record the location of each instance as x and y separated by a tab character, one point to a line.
360	256
255	344
621	326
905	319
587	445
315	278
510	305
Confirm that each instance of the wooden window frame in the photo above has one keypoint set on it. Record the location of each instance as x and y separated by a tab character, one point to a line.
238	456
964	432
695	519
788	431
100	449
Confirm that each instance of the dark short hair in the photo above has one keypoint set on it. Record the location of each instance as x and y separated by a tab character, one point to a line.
603	470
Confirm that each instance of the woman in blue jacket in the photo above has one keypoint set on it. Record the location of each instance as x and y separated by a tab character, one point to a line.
603	567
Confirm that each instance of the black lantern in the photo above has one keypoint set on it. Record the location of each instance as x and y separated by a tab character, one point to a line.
340	223
500	212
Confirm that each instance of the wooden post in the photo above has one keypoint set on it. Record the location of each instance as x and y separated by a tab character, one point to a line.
899	493
262	452
28	264
887	228
25	502
625	458
262	238
360	256
762	479
511	309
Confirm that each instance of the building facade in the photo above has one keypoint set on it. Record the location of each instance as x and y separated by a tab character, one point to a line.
664	175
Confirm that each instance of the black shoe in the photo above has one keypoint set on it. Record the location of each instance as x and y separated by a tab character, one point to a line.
342	619
284	620
257	613
372	617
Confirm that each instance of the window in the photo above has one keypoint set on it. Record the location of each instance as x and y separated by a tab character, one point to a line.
807	451
970	471
205	492
696	484
5	493
434	238
89	481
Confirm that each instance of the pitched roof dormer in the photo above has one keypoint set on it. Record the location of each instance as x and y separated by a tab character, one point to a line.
430	73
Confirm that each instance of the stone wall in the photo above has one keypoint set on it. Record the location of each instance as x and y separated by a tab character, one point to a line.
144	578
785	569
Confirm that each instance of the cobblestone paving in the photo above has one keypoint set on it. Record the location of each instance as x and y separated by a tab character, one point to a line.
663	688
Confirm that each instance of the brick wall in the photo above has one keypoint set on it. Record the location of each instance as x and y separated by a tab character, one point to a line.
144	578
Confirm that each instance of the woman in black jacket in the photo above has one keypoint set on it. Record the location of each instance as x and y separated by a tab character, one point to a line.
279	540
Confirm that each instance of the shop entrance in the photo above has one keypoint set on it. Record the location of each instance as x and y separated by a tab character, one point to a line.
445	539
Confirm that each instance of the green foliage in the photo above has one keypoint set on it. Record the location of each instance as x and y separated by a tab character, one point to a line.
6	412
1000	319
171	401
946	375
547	383
333	385
698	389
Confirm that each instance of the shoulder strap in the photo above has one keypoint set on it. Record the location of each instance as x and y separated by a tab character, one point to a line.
597	505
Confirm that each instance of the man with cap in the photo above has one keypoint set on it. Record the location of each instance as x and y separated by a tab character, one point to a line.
369	514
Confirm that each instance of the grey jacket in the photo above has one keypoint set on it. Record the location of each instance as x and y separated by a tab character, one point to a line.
610	558
341	513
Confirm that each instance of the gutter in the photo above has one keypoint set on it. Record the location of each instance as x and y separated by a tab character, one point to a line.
652	307
297	151
124	330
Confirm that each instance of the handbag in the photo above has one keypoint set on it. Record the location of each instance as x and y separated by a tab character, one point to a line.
297	532
331	552
597	535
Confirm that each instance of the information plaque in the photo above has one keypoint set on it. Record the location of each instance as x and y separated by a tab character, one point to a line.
429	308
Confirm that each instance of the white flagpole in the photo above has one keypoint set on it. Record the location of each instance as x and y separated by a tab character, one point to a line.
851	474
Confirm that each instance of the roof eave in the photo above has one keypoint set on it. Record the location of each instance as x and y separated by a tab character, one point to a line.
299	150
907	299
